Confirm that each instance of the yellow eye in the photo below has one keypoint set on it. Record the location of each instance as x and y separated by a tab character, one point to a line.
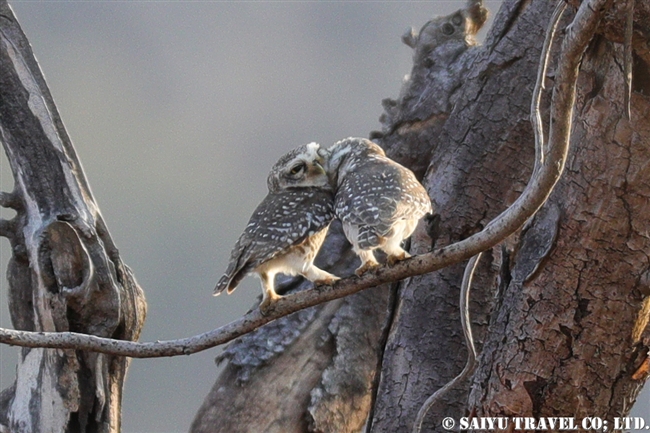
297	169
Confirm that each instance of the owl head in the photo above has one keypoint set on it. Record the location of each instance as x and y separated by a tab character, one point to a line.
344	154
302	167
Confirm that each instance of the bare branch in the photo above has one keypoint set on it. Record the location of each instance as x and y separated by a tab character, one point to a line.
249	322
535	114
627	44
7	228
10	200
469	343
537	191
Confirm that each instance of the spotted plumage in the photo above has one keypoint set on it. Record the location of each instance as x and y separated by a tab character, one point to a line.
288	227
378	201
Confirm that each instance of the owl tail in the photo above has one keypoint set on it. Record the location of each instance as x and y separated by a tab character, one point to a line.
222	285
368	238
229	282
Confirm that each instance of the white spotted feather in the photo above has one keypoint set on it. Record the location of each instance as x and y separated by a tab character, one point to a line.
288	227
378	201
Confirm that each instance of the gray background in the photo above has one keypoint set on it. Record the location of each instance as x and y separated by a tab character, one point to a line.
178	109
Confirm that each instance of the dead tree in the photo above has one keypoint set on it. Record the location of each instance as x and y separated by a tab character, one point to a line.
559	309
65	273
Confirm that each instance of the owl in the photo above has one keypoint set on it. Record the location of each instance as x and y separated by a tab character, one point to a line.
288	227
378	201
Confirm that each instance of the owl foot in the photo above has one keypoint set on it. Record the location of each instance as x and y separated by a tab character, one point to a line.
267	304
327	281
320	277
365	267
394	258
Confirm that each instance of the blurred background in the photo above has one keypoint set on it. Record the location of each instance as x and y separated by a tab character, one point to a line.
177	110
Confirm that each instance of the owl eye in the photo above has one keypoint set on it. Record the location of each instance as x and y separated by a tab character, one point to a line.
297	169
447	29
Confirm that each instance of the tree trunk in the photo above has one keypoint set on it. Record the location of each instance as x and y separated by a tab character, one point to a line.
65	273
559	310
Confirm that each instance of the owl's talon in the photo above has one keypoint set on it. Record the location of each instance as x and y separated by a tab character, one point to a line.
265	310
392	259
365	268
328	281
267	304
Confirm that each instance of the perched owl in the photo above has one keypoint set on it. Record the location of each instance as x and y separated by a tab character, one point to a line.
378	201
288	227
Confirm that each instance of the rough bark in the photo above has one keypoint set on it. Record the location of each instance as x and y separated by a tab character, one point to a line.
539	358
559	310
481	158
65	273
572	314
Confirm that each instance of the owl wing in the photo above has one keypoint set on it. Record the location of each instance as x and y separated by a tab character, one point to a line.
238	267
380	193
281	221
367	201
414	201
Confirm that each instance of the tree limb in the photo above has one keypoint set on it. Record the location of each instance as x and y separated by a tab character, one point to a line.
535	194
627	67
469	343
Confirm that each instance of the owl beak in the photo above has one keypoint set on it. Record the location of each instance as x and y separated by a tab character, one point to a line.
319	168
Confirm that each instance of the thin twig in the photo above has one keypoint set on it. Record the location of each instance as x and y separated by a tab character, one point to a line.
535	113
627	46
469	343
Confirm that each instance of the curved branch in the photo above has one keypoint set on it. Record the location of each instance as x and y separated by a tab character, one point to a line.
247	323
535	113
537	191
469	343
627	48
539	162
538	130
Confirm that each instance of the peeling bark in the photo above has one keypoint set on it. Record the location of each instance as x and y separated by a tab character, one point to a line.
65	273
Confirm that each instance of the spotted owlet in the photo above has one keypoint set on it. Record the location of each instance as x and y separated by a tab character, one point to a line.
378	201
288	227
